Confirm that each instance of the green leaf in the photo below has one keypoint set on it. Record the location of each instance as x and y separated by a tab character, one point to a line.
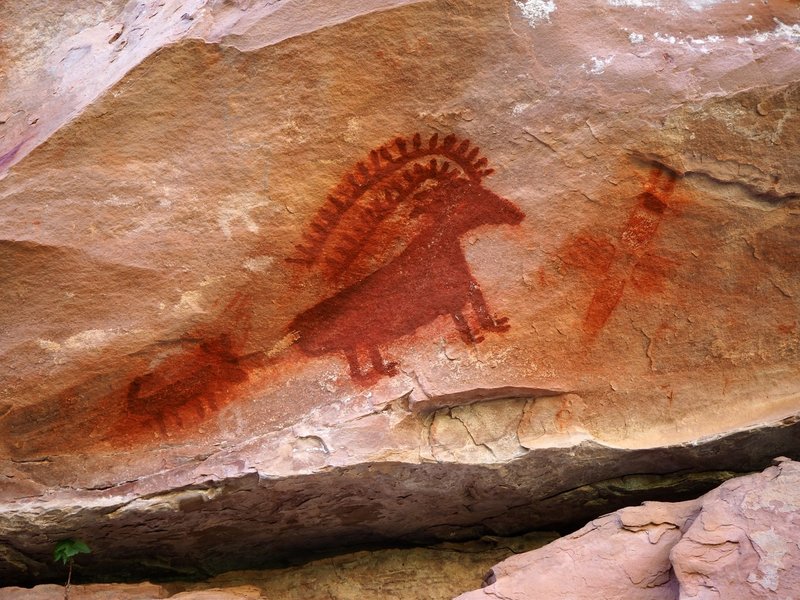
66	549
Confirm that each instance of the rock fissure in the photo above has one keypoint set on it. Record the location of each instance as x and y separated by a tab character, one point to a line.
768	198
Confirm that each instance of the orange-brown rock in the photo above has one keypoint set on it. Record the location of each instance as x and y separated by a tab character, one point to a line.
142	591
294	277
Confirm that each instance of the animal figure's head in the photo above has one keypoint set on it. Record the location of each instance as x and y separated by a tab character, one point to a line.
462	204
438	180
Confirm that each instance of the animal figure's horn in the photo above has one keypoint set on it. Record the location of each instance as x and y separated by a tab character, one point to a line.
380	170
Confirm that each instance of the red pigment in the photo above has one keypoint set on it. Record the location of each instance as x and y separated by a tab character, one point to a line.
429	278
190	384
639	232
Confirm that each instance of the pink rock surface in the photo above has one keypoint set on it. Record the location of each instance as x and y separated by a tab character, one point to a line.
744	541
622	555
737	542
58	59
156	306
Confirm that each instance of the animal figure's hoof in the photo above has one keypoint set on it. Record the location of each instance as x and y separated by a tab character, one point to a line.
499	325
391	368
470	338
372	376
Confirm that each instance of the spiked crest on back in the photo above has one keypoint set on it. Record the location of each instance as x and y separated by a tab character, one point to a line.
381	194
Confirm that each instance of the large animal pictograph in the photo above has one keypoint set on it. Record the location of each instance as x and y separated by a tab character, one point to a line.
389	240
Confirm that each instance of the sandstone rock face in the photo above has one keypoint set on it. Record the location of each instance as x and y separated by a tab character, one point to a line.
743	542
738	541
438	573
292	277
141	591
59	59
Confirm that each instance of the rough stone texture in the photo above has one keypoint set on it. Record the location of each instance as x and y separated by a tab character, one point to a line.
442	571
142	591
59	58
198	530
189	370
738	541
744	541
100	591
437	573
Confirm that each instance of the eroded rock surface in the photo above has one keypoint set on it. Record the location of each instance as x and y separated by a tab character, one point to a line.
59	58
737	541
437	572
294	277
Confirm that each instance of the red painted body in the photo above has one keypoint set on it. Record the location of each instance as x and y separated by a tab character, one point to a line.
429	279
188	385
173	386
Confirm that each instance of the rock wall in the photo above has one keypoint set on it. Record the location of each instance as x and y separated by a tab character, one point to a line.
302	278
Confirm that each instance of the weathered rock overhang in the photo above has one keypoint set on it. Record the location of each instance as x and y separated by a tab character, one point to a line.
254	520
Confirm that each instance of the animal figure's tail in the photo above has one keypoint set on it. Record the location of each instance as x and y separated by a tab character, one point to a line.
187	388
266	356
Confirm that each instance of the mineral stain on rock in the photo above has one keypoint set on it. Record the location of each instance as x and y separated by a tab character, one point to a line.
405	186
641	228
388	240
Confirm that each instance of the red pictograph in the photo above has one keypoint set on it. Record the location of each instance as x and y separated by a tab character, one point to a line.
389	240
612	264
196	380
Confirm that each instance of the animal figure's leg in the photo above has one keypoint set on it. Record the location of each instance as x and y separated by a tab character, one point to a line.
352	361
463	328
205	405
161	422
165	423
134	403
380	365
486	320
